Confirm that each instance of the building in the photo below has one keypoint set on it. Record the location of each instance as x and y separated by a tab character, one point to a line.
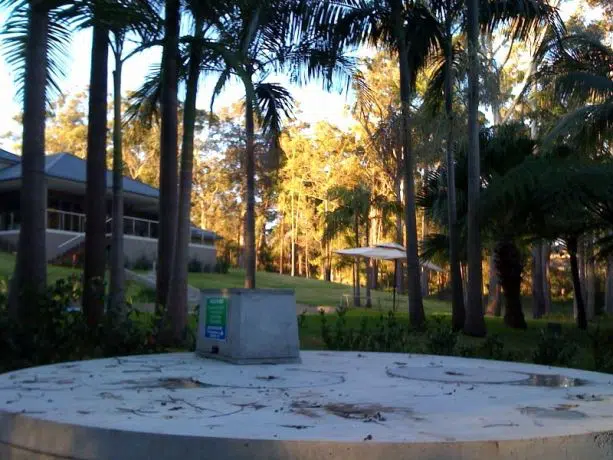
66	180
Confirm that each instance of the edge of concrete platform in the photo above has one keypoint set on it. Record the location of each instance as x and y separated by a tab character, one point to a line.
23	437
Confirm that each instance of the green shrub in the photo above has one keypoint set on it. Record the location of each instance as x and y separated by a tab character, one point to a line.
55	331
222	266
440	338
554	348
142	263
195	266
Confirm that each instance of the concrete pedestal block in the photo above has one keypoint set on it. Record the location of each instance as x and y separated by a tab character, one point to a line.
248	326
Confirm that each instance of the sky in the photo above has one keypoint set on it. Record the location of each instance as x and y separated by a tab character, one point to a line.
314	103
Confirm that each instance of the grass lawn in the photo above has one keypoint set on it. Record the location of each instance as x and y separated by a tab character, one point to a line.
308	291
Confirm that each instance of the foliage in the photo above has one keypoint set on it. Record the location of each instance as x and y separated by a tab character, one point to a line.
441	339
142	263
554	348
56	331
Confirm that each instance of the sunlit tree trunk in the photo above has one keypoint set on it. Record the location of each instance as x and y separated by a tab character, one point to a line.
30	274
117	274
250	190
608	303
168	208
494	302
416	307
457	295
177	293
475	323
95	194
572	246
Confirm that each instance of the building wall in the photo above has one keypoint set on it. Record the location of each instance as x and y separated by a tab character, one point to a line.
135	247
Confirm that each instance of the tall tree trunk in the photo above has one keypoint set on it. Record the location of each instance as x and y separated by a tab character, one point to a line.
590	278
293	239
117	273
494	302
356	230
177	292
30	275
168	152
475	323
399	233
282	243
608	302
416	307
369	265
509	267
546	278
95	195
539	304
424	275
457	295
571	244
250	189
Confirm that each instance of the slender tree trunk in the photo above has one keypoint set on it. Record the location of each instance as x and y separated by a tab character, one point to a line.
475	323
546	277
509	267
608	302
457	295
356	230
590	278
571	244
30	275
399	233
416	307
250	190
117	273
293	239
177	293
494	303
168	153
95	195
282	240
539	304
369	266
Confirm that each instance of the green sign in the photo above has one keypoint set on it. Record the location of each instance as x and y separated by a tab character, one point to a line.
216	314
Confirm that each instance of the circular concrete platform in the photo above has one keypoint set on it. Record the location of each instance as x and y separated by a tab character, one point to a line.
333	405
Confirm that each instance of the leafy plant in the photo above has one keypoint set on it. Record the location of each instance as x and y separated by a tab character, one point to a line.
554	348
441	339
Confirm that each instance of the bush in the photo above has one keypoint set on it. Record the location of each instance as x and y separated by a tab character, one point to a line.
441	339
142	263
54	332
222	266
554	348
195	266
602	350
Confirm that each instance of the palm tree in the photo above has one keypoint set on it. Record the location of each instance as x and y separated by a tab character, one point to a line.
177	292
95	195
523	19
34	39
578	68
409	29
138	17
351	213
256	37
168	151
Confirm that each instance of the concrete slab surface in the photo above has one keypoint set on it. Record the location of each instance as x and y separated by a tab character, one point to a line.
333	405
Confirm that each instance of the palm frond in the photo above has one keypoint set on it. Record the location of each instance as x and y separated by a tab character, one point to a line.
144	102
14	41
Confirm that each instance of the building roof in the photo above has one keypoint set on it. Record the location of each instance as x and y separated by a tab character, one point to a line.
69	167
8	156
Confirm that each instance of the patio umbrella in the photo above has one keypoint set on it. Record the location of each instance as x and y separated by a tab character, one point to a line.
386	251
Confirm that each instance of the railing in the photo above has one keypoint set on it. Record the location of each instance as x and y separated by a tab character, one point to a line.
75	222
